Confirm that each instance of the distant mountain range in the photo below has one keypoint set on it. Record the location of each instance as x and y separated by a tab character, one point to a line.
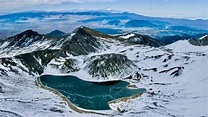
110	22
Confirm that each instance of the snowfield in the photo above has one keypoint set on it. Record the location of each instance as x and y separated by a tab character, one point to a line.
175	77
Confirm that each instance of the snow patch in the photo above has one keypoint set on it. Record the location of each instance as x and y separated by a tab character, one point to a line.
127	36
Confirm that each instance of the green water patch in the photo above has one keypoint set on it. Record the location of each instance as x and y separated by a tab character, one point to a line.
89	95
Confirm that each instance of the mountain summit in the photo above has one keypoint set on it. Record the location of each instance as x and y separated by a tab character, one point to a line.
56	33
82	41
24	39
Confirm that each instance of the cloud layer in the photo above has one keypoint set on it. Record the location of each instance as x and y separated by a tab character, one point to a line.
10	4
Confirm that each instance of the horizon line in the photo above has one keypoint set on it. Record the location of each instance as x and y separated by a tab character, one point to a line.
102	10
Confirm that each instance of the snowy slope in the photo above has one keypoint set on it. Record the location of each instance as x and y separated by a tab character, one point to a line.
184	95
175	77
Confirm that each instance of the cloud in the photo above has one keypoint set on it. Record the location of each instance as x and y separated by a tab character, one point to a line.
10	4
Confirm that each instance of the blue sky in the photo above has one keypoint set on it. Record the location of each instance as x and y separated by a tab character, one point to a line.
192	9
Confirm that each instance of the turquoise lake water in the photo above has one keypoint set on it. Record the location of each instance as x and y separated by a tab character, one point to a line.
89	95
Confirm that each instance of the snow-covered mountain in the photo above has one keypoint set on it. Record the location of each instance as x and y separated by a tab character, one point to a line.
175	75
142	39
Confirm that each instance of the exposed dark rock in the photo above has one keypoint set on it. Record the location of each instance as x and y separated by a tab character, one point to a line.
165	65
168	58
162	83
176	71
186	58
1	90
119	110
32	60
155	57
82	42
145	40
151	69
56	110
110	65
70	65
24	39
155	103
137	76
203	41
7	62
194	42
3	72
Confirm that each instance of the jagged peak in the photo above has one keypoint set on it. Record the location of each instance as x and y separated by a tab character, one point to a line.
84	29
81	28
24	39
88	31
27	33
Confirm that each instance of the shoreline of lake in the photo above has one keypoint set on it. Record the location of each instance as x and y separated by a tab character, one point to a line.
64	98
71	105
